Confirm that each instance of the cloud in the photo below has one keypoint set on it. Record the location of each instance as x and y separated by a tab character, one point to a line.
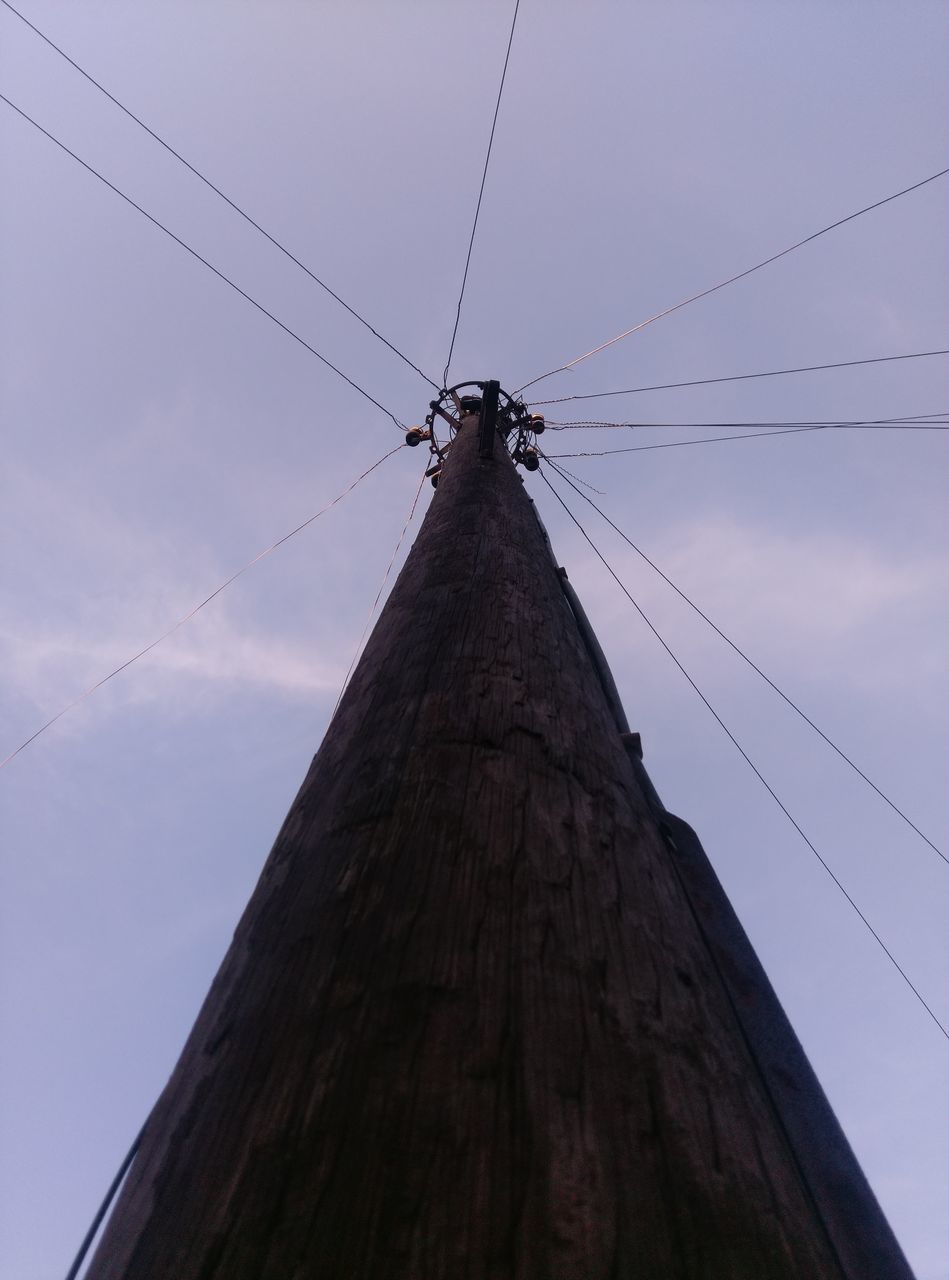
102	586
50	667
806	585
834	607
107	589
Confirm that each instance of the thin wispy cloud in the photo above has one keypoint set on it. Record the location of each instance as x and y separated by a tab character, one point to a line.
799	587
814	601
47	667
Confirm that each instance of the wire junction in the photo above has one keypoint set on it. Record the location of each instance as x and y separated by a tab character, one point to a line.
511	420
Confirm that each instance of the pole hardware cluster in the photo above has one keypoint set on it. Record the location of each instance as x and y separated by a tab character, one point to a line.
496	414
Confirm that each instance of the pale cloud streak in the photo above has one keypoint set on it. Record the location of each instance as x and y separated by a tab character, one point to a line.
49	667
788	597
809	586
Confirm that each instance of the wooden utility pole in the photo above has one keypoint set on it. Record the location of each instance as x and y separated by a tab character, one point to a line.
488	1015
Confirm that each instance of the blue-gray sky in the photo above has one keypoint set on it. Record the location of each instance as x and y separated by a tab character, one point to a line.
159	432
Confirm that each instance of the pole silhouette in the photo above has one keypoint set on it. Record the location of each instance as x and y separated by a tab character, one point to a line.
488	1014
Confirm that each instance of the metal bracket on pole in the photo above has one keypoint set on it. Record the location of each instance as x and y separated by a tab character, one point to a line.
488	424
442	413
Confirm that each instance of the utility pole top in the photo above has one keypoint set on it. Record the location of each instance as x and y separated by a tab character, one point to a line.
496	413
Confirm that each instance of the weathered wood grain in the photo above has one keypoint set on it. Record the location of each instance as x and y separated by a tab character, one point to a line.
468	1027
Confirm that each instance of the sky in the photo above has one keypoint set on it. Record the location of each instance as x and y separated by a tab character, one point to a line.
159	432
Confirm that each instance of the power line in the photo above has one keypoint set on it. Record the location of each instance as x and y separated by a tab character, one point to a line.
767	679
217	191
739	377
107	1199
745	435
934	421
563	471
194	253
474	227
732	279
757	772
198	607
679	444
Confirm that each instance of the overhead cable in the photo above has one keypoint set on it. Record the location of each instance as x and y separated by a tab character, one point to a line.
198	607
217	191
920	422
474	226
103	1209
754	768
740	377
564	472
679	444
758	671
704	293
194	253
745	435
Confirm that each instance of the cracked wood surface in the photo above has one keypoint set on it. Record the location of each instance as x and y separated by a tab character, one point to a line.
467	1028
